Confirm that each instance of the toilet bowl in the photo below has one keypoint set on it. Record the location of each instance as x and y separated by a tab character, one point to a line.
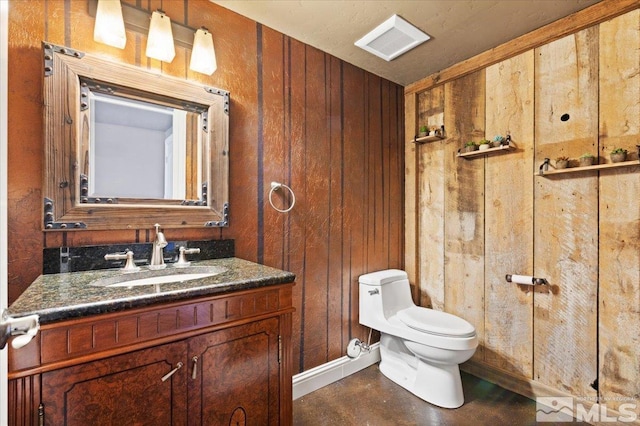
420	348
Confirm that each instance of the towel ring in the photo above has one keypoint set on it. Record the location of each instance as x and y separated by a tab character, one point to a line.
276	186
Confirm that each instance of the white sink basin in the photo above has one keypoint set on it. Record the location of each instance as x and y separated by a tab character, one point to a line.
160	280
156	277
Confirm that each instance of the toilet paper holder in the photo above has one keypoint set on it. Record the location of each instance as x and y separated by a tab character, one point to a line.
526	280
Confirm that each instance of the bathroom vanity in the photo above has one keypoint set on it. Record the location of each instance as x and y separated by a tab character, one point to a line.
212	350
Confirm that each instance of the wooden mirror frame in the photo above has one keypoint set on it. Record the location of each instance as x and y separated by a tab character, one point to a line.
66	130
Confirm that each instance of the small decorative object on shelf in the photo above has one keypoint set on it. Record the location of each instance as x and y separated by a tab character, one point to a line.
618	155
497	141
470	147
586	159
562	162
422	132
484	144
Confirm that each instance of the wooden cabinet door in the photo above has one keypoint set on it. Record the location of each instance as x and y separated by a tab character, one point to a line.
121	390
236	379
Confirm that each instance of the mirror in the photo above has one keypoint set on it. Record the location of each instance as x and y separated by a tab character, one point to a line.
127	148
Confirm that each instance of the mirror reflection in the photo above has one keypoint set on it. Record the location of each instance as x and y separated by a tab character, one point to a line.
140	149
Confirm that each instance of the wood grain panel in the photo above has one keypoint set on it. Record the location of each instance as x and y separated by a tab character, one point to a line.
375	174
297	226
275	150
337	338
23	401
619	207
464	205
431	195
396	175
354	190
411	176
317	157
508	209
244	359
27	27
110	391
566	216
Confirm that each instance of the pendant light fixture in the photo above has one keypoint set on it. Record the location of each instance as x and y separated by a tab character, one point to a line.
160	39
109	26
203	55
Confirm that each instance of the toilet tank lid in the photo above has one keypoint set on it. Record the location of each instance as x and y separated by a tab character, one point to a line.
383	277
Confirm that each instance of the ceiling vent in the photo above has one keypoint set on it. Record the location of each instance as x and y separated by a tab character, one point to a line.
392	38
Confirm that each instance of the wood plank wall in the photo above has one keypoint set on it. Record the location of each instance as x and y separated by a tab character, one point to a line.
482	218
329	130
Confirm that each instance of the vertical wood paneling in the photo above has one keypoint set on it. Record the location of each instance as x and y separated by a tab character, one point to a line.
297	218
26	390
396	176
355	170
337	337
508	209
316	183
411	176
580	230
375	176
298	116
566	216
619	243
275	146
29	24
431	193
464	205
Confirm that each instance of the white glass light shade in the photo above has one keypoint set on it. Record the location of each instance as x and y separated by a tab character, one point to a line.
203	55
160	39
109	27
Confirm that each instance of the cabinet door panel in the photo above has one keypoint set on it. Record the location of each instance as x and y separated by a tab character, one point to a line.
121	390
237	380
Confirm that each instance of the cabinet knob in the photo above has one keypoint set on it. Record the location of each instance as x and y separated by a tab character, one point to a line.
172	372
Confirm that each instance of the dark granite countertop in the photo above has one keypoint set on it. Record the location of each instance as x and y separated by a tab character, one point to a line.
57	297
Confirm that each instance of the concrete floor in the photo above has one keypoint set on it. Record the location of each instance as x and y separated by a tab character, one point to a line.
369	398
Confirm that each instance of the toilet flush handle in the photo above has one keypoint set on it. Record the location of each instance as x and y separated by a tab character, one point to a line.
372	292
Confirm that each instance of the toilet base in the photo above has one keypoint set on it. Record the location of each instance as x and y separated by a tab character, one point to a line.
438	384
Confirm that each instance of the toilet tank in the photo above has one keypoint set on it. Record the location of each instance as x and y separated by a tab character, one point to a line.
382	294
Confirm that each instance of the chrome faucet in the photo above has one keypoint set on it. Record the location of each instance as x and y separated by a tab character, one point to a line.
157	253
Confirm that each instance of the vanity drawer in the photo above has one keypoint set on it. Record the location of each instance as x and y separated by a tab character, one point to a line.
107	334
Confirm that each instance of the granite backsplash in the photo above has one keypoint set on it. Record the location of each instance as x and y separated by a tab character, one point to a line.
89	258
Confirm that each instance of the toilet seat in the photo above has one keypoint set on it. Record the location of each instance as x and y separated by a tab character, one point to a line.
435	322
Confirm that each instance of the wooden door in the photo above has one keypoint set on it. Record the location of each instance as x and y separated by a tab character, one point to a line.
121	390
236	379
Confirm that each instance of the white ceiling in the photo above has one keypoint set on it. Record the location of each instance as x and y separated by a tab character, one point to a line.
459	29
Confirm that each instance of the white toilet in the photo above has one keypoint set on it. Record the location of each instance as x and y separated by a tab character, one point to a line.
420	348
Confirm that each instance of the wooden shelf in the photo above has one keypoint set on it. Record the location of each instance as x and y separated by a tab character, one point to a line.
489	151
587	168
426	139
